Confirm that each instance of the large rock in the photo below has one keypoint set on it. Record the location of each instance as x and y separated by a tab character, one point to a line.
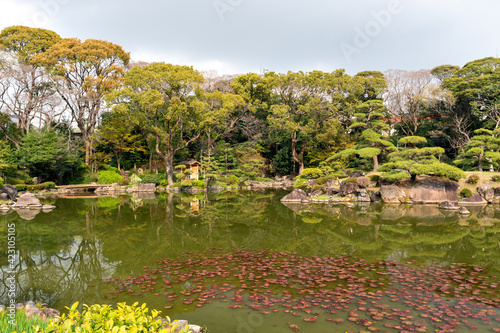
151	187
375	196
487	192
4	196
363	195
433	191
363	182
392	194
356	174
449	205
347	188
476	199
297	195
10	190
27	200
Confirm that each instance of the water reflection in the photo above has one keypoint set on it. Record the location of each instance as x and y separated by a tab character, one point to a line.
64	255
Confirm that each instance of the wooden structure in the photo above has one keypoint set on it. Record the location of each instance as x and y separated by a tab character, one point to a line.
192	165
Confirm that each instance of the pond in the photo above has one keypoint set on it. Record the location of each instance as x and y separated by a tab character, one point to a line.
245	262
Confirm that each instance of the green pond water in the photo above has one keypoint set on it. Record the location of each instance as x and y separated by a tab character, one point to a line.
245	262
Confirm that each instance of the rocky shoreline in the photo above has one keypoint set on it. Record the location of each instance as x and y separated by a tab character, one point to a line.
429	191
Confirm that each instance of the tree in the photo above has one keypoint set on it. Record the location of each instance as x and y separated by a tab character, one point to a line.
485	145
410	161
27	92
406	98
117	132
46	155
444	71
371	118
160	99
83	72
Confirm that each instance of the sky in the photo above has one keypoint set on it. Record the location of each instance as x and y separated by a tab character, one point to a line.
241	36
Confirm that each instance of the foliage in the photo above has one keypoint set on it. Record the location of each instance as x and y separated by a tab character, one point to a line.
495	178
311	173
23	323
473	179
302	183
151	178
47	156
466	193
49	185
417	161
108	177
103	318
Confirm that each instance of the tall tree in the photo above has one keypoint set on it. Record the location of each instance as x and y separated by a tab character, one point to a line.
160	99
83	72
26	90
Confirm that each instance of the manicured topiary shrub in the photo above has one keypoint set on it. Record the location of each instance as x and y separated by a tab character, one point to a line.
473	179
108	177
466	193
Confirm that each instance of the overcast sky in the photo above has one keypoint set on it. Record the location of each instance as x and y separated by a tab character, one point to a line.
240	36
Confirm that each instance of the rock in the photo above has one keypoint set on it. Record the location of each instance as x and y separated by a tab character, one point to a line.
331	191
49	313
497	191
150	187
433	191
216	188
19	306
32	311
449	205
28	214
4	208
392	194
347	188
331	182
464	211
48	207
316	193
363	182
129	190
356	174
375	196
11	191
4	196
27	200
476	199
2	308
486	192
297	195
312	183
363	195
29	305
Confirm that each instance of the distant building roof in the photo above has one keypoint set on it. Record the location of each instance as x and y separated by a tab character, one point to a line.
189	163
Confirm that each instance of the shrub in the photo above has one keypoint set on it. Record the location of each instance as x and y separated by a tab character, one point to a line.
103	318
311	173
395	176
495	178
108	177
350	180
198	183
229	179
473	179
151	178
164	182
302	184
23	323
186	183
466	193
1	182
20	187
374	178
49	185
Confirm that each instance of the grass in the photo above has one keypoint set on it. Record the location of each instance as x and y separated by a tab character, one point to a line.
484	180
22	323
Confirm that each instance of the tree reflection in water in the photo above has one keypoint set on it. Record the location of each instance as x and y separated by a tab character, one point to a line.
64	255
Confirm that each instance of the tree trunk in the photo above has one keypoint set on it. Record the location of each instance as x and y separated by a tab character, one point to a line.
294	153
375	163
169	165
480	167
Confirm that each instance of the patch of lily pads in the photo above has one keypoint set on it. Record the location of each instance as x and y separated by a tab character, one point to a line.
348	292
